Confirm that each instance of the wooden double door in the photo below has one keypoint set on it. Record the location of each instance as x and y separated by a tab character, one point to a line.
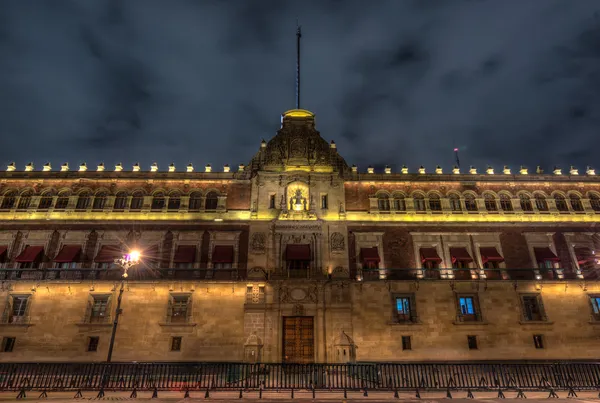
298	339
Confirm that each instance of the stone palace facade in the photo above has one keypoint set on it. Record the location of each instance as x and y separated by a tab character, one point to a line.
299	257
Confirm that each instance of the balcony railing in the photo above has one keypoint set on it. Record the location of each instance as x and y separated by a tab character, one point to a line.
56	274
204	274
474	274
480	376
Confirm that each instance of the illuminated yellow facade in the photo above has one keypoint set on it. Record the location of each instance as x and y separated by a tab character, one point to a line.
299	257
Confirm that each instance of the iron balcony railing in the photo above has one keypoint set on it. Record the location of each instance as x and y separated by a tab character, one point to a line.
204	274
519	376
114	274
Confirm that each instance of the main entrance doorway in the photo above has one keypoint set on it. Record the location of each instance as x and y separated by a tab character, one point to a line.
298	339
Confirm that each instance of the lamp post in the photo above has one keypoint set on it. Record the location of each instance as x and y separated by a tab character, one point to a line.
126	262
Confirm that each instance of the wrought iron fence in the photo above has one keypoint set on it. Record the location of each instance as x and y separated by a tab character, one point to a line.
471	376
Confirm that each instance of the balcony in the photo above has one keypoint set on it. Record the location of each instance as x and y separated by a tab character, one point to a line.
142	274
504	274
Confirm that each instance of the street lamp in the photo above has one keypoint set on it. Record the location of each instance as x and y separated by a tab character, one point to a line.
126	262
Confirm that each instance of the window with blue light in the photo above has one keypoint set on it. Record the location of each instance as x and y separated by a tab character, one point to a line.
595	300
466	306
405	308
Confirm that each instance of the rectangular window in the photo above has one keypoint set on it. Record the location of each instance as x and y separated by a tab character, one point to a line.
468	308
405	309
324	202
272	201
93	343
99	309
533	311
8	344
538	341
472	342
179	307
176	343
595	301
16	310
406	344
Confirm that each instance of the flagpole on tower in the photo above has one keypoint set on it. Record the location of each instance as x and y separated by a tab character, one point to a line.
298	36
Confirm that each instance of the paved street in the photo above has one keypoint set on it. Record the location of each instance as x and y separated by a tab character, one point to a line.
300	396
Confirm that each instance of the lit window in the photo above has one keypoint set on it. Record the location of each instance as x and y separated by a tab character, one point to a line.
526	203
505	203
490	203
434	203
470	203
595	301
383	202
468	310
576	204
561	203
405	309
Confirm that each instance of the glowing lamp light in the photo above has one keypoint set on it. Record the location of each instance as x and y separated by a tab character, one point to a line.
456	150
133	256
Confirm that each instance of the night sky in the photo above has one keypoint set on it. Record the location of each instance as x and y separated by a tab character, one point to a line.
392	82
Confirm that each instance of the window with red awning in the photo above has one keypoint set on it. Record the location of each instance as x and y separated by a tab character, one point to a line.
222	256
370	257
68	254
108	254
297	253
585	258
460	258
185	254
3	253
490	254
31	256
430	258
545	258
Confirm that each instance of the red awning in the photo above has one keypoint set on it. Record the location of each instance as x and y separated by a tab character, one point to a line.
108	254
185	254
3	250
369	254
222	254
545	254
490	254
460	255
30	254
430	255
584	255
68	254
297	252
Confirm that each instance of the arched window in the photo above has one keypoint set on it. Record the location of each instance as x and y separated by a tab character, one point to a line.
419	203
137	201
383	202
24	200
434	202
62	201
576	204
99	201
526	203
158	201
83	201
399	203
470	203
561	203
174	202
195	201
490	202
120	201
540	202
506	203
212	201
8	202
46	201
455	203
595	202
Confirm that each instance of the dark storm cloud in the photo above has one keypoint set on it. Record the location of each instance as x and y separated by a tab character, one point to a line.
392	82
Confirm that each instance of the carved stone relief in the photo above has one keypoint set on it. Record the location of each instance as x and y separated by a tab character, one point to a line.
338	243
258	242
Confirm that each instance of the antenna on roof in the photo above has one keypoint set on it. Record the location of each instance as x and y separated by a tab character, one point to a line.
298	36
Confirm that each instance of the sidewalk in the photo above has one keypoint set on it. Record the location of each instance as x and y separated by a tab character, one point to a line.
299	396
